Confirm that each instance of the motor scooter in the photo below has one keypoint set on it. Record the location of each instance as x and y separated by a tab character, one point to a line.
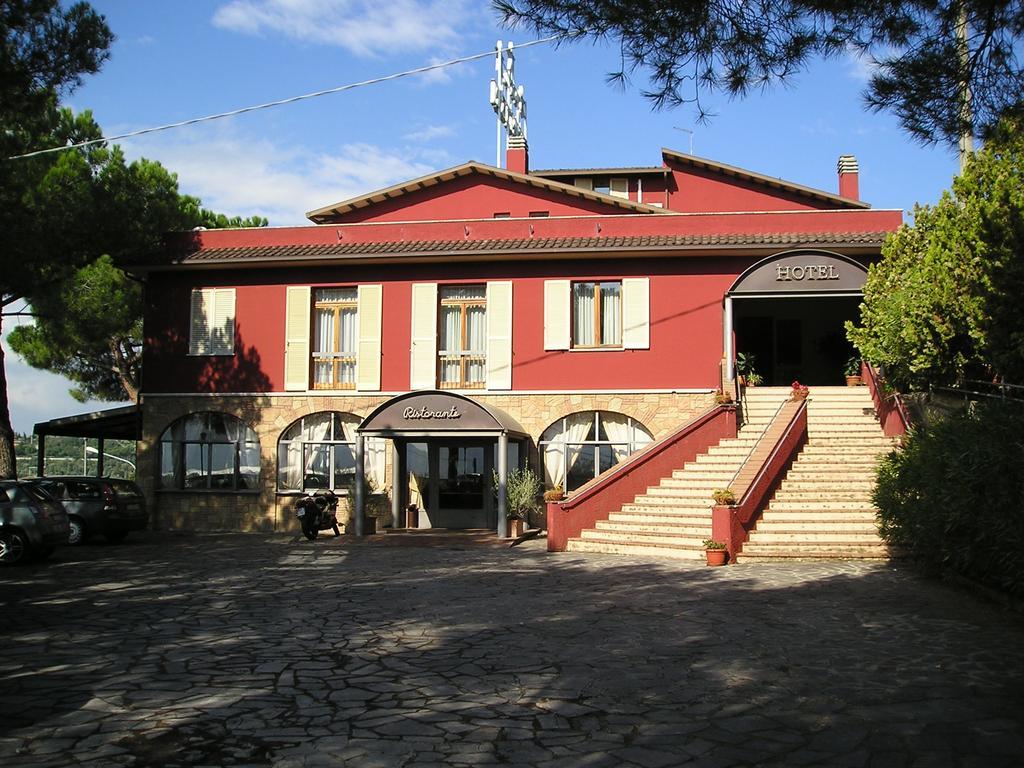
317	512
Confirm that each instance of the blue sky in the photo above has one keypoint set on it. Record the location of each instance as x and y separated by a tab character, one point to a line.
174	61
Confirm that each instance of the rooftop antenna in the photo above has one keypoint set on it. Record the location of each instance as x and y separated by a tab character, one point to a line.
686	130
507	98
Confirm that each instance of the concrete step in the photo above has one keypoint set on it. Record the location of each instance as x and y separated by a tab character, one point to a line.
636	549
647	537
700	529
787	553
827	518
811	538
776	526
638	514
821	505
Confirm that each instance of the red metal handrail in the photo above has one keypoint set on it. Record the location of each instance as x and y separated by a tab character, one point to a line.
890	409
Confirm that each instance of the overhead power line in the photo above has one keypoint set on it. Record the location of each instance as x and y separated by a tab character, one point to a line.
279	102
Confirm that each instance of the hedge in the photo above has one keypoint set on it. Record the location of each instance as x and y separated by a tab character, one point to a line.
954	496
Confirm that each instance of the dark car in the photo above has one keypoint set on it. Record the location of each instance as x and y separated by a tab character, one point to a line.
31	523
102	505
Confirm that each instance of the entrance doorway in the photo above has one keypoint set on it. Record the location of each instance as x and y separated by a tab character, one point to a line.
796	337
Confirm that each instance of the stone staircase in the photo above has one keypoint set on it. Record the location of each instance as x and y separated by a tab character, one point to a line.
823	507
673	518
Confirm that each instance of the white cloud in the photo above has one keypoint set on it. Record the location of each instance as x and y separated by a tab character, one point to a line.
236	175
429	133
363	27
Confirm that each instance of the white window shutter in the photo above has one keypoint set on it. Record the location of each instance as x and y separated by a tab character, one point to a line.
222	321
199	329
423	365
557	306
499	335
636	313
369	319
583	182
296	338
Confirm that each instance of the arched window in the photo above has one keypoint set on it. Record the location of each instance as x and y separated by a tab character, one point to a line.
319	451
580	446
209	452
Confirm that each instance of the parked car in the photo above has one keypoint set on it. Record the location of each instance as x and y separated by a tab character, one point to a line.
31	522
102	505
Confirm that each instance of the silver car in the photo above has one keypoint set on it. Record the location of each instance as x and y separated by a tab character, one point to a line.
31	522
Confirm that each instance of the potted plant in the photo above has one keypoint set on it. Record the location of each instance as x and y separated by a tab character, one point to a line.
724	496
745	362
714	552
754	379
852	371
555	494
722	398
799	391
522	495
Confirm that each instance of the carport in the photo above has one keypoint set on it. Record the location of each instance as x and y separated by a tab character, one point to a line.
123	423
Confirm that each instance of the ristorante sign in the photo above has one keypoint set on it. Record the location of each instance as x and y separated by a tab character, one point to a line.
803	272
430	412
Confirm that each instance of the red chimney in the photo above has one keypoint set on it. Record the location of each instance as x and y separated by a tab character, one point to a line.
517	156
849	177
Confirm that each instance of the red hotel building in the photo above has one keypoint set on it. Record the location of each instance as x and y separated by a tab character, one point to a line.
567	316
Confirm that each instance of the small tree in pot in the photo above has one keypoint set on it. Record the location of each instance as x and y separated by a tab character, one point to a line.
523	490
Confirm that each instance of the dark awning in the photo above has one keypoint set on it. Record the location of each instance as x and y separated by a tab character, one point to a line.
123	423
438	412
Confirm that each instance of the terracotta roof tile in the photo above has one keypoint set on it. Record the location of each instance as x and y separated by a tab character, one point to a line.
525	245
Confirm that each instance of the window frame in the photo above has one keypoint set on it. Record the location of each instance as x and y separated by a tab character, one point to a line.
335	357
598	324
180	469
633	444
463	355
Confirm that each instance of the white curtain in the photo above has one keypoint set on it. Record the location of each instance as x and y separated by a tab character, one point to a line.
347	345
583	313
324	344
554	464
577	427
611	314
476	330
619	432
451	330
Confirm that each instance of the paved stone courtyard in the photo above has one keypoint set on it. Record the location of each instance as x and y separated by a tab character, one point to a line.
231	650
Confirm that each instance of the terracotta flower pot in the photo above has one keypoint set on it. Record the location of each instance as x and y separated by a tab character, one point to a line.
716	556
854	381
516	527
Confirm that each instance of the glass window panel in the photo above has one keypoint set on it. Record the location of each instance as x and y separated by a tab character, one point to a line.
316	464
249	466
462	292
476	371
317	427
289	476
323	324
323	372
218	431
348	331
450	371
451	329
192	427
196	465
476	329
583	313
611	313
581	468
325	295
222	466
167	468
607	458
344	465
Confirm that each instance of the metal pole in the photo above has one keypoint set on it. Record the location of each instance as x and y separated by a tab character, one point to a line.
360	505
502	485
41	456
730	373
497	152
99	459
397	474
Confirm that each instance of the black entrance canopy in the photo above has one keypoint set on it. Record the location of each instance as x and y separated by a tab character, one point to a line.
123	423
435	413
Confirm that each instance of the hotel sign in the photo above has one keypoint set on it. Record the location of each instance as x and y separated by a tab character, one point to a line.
803	272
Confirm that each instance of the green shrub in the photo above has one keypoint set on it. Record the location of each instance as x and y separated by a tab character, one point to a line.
955	495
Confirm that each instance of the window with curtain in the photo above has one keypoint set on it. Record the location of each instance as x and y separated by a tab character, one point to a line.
209	452
335	335
319	451
597	314
579	447
462	337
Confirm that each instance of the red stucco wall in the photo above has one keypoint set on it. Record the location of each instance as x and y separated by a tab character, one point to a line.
685	303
